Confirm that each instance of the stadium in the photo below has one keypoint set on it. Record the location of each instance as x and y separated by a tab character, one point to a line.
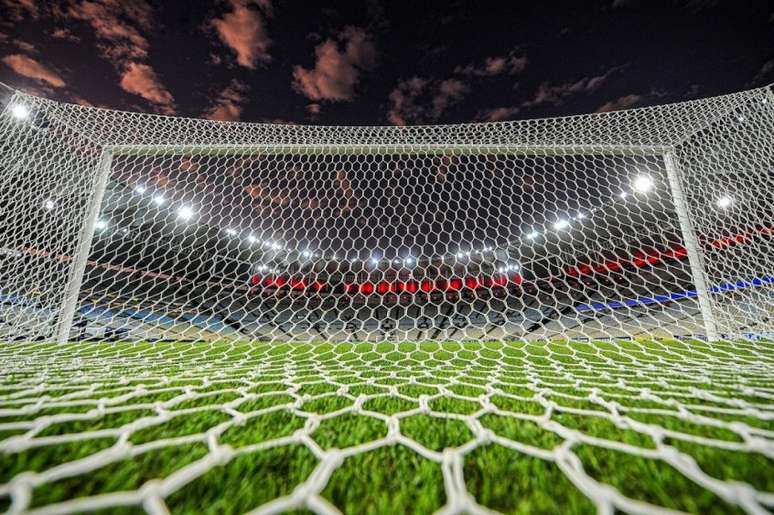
558	315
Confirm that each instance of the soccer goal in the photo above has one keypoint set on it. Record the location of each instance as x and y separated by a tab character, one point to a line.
653	221
568	315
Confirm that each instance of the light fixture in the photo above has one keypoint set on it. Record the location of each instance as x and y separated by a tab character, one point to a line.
185	213
140	189
49	204
100	225
532	235
623	195
374	261
561	224
159	200
231	232
724	202
581	215
643	183
251	238
276	246
306	253
20	112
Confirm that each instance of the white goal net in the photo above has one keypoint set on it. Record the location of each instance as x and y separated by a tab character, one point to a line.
655	221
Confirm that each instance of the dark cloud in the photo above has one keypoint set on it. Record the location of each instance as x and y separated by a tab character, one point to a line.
229	103
557	94
17	10
419	100
619	103
510	64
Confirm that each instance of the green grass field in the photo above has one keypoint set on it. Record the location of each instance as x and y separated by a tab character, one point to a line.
559	427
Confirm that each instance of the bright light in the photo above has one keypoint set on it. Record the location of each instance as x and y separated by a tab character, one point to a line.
49	204
140	189
561	224
185	213
408	261
581	216
159	200
724	202
101	225
460	255
252	239
374	261
643	183
231	232
276	246
623	195
533	235
306	253
20	112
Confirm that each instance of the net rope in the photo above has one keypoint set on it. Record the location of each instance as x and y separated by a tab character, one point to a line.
572	312
658	395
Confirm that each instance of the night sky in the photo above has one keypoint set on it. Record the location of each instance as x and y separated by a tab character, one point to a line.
380	63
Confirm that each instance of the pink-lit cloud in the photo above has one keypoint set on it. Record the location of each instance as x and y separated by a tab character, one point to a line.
65	34
32	69
338	67
243	30
140	79
118	25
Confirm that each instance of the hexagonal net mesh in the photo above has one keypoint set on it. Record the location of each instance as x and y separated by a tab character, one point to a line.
520	316
653	221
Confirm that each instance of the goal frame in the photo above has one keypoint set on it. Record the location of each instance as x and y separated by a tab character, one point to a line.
104	169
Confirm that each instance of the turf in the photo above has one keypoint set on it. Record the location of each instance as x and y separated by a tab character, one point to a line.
226	427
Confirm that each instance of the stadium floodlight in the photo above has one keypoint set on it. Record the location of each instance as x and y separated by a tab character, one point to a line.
643	183
140	189
623	195
185	213
724	202
231	232
101	225
533	234
159	200
49	204
561	224
251	239
20	112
